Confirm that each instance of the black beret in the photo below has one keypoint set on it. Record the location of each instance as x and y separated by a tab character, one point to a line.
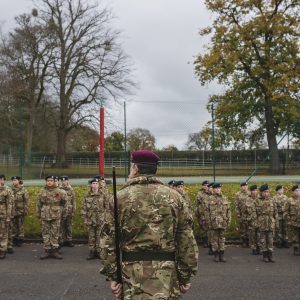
211	184
144	157
50	176
99	177
2	176
171	182
278	187
295	187
244	183
64	177
263	188
16	177
216	185
205	182
93	180
178	182
253	187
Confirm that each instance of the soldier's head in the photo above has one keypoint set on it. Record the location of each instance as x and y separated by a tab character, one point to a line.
244	186
205	184
296	190
64	180
16	181
102	182
171	183
2	179
210	188
179	186
143	162
94	184
264	191
253	190
56	182
279	189
50	181
217	188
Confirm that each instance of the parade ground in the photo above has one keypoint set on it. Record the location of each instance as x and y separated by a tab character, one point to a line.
244	276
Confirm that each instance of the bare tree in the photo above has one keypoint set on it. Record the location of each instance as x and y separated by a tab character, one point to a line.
88	64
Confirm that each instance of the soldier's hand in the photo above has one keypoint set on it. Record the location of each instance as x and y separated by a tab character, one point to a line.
116	288
185	287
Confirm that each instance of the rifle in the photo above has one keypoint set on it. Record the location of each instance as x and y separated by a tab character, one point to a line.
117	233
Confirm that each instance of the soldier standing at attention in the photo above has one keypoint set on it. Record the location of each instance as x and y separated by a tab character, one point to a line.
250	218
267	221
50	204
21	205
292	211
66	227
201	203
240	198
94	205
220	218
280	200
159	250
6	206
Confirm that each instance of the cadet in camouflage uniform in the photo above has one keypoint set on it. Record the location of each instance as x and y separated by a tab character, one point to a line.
51	202
94	206
220	218
66	226
280	200
159	251
21	209
267	221
240	198
292	214
248	211
6	205
201	208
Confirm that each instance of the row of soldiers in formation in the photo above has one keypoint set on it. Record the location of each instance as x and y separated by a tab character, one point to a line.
260	216
55	209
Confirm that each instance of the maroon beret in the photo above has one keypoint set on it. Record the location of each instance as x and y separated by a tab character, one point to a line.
144	157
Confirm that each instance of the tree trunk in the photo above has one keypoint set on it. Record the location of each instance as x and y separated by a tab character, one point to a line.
271	137
61	148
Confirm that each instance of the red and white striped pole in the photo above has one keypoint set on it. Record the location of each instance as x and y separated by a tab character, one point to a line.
101	141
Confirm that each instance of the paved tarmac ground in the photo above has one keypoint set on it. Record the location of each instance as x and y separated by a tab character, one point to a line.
244	276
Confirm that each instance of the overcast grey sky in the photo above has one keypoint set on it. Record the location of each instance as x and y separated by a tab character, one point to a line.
161	37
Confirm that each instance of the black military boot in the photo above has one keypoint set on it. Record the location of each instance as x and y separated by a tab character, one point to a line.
15	241
216	253
46	255
221	257
2	254
296	251
286	244
254	252
210	252
244	243
205	242
69	244
265	256
91	255
270	257
19	242
10	250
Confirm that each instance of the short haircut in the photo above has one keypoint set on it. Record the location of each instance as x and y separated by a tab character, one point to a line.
147	169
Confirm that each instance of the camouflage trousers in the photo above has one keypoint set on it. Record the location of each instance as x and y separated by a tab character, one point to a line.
10	235
217	240
295	234
3	235
50	233
244	230
66	229
266	240
18	227
254	239
94	238
281	233
147	280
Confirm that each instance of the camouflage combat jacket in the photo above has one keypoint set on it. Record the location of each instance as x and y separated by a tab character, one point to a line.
292	211
70	206
94	207
219	212
249	211
267	217
153	218
50	203
6	203
21	201
202	199
280	202
240	198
